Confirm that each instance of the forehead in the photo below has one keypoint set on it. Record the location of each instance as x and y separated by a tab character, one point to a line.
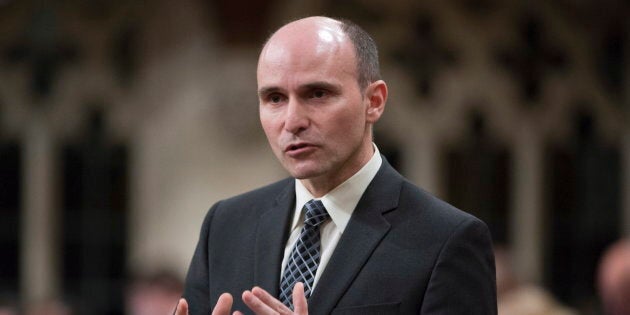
317	49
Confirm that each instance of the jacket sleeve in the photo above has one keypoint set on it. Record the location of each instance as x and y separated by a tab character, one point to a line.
463	278
196	289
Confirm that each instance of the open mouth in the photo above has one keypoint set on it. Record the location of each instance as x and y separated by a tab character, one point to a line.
299	149
298	146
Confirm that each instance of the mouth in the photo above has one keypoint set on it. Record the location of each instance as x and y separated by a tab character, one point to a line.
299	148
296	146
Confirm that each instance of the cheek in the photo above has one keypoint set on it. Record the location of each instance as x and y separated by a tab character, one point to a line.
272	137
269	133
267	123
270	118
349	124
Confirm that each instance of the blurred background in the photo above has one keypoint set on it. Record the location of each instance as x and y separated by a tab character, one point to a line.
122	122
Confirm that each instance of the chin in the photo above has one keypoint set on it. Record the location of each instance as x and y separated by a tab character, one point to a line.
303	175
303	172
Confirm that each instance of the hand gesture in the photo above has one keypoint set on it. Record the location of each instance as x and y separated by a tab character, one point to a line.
258	300
223	307
262	303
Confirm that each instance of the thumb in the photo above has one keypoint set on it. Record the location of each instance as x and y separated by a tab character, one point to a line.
224	305
182	307
299	300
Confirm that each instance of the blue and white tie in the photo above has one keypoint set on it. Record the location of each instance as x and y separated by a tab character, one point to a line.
304	259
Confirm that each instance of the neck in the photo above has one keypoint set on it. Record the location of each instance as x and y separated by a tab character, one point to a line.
321	185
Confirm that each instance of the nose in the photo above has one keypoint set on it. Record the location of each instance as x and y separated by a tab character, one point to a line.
296	119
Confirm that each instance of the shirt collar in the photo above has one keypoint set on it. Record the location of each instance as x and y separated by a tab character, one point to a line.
343	199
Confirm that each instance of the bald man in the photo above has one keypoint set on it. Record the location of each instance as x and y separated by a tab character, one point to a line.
346	233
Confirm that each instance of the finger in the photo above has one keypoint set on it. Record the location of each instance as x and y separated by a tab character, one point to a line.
257	305
299	299
224	305
182	307
271	301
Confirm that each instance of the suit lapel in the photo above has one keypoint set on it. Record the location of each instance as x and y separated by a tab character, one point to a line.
271	237
364	232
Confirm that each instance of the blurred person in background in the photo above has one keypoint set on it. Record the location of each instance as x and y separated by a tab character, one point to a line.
516	298
48	307
7	309
614	279
7	304
154	294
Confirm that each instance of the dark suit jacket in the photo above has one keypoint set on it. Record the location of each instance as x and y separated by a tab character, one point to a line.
403	252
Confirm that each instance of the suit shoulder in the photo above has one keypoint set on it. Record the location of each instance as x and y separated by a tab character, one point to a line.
263	194
248	206
434	208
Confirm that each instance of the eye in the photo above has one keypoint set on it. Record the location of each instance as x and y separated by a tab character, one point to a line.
275	98
318	93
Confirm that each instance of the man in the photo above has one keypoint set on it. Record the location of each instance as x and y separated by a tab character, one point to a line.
347	234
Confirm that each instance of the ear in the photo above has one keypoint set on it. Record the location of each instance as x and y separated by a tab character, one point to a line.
375	97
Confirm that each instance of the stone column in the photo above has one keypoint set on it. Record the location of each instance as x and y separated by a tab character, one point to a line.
625	153
625	183
526	221
38	272
421	161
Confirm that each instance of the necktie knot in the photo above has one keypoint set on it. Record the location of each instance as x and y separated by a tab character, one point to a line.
316	213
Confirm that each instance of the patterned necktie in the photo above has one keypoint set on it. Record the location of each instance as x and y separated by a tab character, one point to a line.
304	259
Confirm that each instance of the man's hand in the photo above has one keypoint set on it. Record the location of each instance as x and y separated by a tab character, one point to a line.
223	307
258	300
181	308
262	303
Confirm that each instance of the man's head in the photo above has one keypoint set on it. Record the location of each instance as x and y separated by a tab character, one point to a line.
366	53
319	100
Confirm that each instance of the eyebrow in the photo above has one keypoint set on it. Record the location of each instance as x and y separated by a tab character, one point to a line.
320	85
309	86
267	90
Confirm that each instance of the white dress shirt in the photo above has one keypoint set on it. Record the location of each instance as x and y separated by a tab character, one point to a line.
340	203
